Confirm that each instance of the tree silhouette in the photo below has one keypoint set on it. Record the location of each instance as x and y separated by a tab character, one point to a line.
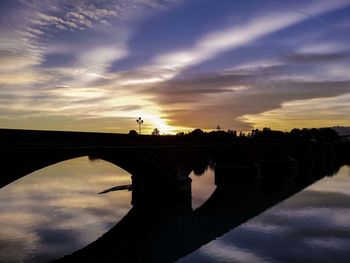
197	132
155	131
133	132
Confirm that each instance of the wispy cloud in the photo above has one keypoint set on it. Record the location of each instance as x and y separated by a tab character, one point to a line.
320	112
84	14
221	41
266	85
226	97
316	57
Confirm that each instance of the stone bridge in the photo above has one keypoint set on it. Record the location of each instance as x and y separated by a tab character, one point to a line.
160	165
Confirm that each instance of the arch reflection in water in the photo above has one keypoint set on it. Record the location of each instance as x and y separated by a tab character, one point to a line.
203	186
56	210
165	230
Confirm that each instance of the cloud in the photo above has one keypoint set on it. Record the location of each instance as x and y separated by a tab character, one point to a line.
128	108
194	88
215	43
316	57
208	99
83	14
59	23
13	58
228	97
321	46
18	50
97	60
27	50
319	112
22	77
160	75
95	35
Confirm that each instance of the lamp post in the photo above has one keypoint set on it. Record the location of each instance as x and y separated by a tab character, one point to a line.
139	122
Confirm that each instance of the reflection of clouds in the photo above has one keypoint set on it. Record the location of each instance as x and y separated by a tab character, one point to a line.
218	251
263	227
50	204
328	243
311	226
229	253
19	219
338	184
334	215
202	187
7	249
12	233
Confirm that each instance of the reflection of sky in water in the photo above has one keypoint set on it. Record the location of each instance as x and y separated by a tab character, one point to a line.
56	210
202	187
311	226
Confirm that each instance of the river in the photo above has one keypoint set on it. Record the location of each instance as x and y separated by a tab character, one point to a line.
57	210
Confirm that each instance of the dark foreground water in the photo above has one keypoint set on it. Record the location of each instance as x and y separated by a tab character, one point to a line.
57	210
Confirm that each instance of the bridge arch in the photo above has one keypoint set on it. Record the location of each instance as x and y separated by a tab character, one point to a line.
140	164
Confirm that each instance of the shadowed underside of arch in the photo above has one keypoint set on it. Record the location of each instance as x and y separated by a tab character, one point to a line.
162	157
151	166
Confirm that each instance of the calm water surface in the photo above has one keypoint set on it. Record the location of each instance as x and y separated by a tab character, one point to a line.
311	226
57	210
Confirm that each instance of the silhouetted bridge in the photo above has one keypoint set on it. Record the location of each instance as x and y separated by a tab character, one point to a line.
161	162
250	176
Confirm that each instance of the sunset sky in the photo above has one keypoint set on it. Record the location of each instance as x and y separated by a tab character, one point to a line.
179	64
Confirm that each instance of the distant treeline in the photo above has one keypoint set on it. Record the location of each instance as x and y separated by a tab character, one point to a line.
313	134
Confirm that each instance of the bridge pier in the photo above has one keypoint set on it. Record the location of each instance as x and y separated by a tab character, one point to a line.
278	170
175	195
229	175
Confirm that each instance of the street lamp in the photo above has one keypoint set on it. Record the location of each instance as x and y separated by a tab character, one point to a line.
139	122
